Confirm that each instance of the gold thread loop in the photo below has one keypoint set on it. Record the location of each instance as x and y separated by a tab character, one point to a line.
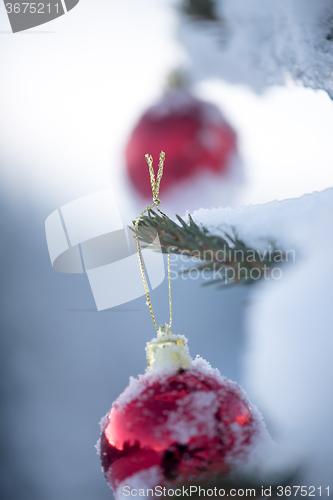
155	187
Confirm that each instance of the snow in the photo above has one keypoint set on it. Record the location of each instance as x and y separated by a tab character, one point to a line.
132	391
204	367
289	369
103	423
164	364
262	456
195	415
141	480
261	43
257	224
182	427
162	371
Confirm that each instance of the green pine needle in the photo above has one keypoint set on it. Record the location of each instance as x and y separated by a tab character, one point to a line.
227	257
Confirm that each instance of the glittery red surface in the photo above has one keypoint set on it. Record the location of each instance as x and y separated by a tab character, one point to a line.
147	431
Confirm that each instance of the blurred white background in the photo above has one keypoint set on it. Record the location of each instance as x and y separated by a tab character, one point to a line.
72	90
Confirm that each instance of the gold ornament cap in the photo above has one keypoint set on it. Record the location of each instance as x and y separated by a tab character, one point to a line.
168	351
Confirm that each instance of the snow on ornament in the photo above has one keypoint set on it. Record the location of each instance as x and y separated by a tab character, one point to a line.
203	161
181	421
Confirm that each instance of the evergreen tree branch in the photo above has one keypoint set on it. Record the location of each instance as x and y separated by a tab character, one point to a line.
227	256
200	9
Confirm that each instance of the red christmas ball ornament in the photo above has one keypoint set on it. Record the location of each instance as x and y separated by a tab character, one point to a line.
180	422
194	134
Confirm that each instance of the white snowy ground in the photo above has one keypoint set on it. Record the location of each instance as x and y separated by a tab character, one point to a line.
289	366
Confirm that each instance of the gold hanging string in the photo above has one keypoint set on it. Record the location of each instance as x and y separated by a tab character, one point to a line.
155	186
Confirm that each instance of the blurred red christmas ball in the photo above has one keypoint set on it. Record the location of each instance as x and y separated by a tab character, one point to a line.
178	427
192	132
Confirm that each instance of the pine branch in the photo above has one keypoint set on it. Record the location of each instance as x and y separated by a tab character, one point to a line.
200	9
204	12
227	257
